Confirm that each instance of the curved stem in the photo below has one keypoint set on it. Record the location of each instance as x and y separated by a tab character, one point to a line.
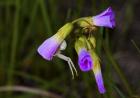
81	19
29	90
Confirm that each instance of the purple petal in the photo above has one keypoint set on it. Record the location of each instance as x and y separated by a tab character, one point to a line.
84	60
105	19
99	81
48	48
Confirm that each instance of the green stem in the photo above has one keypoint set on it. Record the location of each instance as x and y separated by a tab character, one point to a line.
99	41
117	67
14	44
45	17
79	19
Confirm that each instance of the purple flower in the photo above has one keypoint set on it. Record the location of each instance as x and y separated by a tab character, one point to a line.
105	19
48	48
84	60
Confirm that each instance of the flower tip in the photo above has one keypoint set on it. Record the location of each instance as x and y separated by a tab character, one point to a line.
112	17
41	52
48	48
102	90
111	13
99	81
109	8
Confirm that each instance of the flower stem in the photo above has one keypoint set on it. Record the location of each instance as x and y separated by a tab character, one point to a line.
79	19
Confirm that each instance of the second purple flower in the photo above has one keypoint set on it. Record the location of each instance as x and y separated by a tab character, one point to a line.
84	58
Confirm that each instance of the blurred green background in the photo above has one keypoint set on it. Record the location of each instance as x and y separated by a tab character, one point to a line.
25	24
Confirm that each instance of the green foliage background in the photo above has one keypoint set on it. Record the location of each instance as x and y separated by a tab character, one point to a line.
25	24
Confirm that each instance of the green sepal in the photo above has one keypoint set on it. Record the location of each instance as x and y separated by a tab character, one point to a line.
92	41
80	43
64	31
